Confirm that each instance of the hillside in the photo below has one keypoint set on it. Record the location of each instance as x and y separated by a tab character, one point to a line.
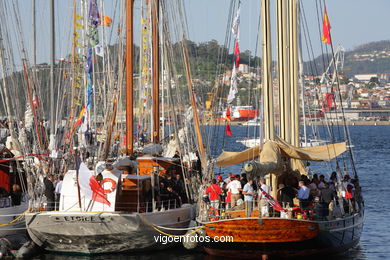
373	57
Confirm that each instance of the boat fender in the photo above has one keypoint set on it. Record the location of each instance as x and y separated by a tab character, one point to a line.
113	185
191	240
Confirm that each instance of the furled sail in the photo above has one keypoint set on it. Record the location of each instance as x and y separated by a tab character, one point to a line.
316	153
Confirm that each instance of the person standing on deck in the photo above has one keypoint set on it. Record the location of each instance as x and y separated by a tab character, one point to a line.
214	191
248	193
58	192
263	203
49	192
234	187
303	195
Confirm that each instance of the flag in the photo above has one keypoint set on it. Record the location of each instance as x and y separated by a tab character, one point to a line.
233	86
105	20
90	187
236	24
237	54
326	29
99	50
271	201
80	119
228	115
228	131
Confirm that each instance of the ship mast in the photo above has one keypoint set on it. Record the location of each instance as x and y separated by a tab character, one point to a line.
52	55
129	76
155	73
266	72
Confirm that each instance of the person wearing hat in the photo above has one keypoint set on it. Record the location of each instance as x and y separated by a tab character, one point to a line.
228	179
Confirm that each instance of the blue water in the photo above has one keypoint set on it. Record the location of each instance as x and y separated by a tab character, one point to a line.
372	157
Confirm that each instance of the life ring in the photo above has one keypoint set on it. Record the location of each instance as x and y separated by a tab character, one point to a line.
113	185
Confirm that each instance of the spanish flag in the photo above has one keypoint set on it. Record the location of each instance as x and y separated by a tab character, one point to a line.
326	29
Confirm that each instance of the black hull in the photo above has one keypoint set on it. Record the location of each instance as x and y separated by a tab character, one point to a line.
334	237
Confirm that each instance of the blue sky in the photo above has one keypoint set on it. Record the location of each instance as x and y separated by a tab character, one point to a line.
354	22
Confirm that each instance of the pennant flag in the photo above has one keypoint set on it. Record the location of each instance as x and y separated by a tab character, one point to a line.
271	201
326	29
78	17
78	25
236	24
105	20
90	187
237	54
99	50
80	118
228	116
228	131
233	86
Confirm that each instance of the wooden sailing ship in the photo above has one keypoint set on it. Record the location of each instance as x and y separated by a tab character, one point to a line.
133	218
281	234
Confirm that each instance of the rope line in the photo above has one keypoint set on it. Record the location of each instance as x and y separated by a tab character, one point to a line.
155	227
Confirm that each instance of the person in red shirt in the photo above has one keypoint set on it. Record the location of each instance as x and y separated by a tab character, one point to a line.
214	191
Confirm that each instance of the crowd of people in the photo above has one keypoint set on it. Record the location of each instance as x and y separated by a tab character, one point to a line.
236	192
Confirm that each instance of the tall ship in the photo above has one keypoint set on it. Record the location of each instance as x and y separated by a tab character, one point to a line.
314	226
125	175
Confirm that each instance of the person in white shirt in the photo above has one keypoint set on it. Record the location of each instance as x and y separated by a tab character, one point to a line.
227	180
263	203
57	192
234	187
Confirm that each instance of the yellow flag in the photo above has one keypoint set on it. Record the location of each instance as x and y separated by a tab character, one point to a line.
78	25
78	17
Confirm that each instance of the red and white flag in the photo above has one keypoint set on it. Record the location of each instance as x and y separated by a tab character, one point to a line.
90	187
271	201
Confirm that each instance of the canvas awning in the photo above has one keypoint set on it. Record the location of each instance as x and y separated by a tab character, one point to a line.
316	153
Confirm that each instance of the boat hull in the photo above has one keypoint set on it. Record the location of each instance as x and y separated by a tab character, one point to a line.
15	232
97	233
272	240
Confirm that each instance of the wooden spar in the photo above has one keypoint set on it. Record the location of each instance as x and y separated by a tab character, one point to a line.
129	76
73	90
293	65
201	148
110	129
267	75
284	91
155	73
52	54
30	98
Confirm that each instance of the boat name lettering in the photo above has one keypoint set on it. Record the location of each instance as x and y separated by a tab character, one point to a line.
79	219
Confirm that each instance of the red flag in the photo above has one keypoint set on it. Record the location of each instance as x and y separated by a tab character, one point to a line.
271	201
326	29
90	187
228	117
237	54
228	131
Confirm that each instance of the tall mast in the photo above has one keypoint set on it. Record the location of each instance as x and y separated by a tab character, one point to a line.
155	73
129	76
293	65
52	53
284	96
266	75
34	38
